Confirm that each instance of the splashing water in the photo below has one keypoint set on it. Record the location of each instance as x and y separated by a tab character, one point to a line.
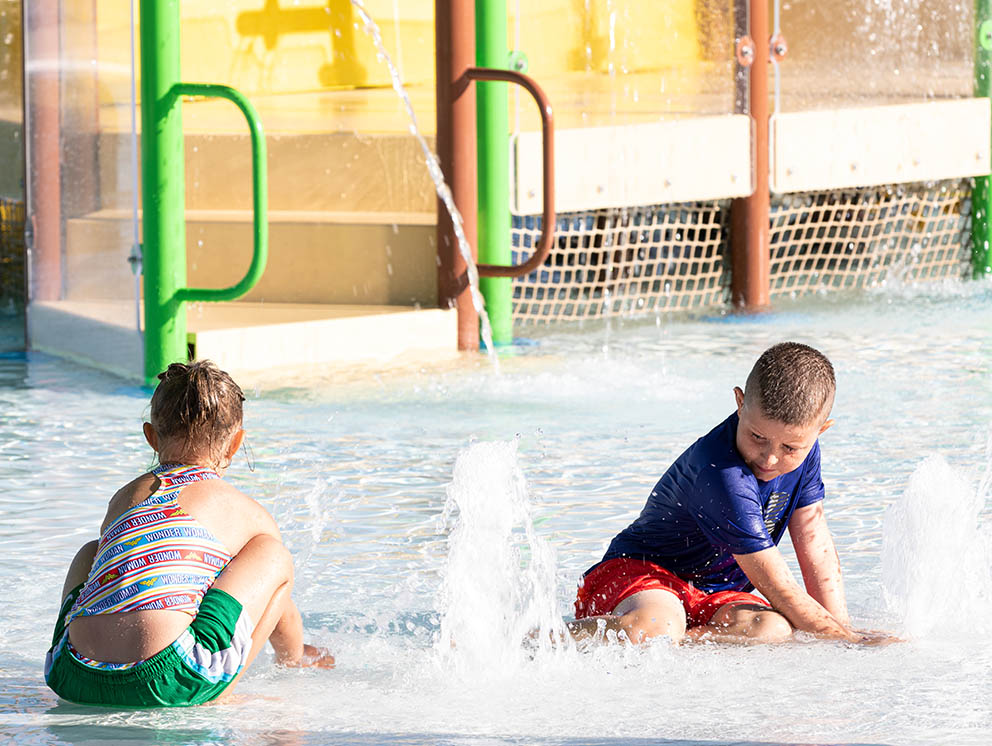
437	176
499	583
936	557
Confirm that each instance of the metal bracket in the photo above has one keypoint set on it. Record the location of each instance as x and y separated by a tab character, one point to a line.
134	258
745	51
778	47
985	35
518	61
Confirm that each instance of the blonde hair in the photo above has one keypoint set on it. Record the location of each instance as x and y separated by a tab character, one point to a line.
792	383
200	405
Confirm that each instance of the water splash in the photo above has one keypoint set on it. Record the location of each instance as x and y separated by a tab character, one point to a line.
437	176
936	554
499	583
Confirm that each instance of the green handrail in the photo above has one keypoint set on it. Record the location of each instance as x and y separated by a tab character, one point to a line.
259	180
164	191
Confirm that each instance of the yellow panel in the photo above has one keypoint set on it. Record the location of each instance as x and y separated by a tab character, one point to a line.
608	36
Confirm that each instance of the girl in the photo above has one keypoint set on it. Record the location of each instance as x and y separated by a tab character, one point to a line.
189	577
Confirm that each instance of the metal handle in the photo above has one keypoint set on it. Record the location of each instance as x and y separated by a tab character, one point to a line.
259	177
548	174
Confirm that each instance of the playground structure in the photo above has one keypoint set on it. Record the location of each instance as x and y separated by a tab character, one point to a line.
723	165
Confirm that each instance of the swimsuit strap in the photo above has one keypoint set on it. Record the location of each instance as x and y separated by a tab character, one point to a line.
173	477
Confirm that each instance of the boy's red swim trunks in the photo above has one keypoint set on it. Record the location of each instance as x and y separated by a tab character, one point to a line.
612	581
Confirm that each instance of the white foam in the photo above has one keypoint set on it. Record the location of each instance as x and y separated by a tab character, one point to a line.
499	582
936	557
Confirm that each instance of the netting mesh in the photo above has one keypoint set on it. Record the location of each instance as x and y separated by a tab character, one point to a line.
11	252
623	261
857	238
658	258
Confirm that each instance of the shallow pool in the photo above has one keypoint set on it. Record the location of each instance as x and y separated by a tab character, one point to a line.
397	554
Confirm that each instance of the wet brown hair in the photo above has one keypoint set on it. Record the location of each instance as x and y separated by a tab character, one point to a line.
200	405
792	383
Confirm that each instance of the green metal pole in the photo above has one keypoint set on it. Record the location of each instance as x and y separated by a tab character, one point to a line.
163	188
981	195
493	128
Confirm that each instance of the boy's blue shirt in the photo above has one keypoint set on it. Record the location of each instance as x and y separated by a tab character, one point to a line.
708	506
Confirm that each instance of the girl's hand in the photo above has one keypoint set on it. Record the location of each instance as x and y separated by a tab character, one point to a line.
316	657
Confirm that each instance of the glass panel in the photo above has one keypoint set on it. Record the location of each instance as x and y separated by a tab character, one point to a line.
11	178
81	175
616	62
871	52
351	205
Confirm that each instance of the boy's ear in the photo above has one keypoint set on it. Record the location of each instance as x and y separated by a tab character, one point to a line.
739	396
150	435
826	425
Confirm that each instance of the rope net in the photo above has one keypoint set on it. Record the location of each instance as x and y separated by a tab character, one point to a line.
662	258
858	238
11	253
623	261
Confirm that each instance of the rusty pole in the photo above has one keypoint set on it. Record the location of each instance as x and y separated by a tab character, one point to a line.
454	23
43	123
749	226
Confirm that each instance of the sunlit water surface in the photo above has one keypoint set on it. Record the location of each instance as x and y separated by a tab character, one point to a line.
423	577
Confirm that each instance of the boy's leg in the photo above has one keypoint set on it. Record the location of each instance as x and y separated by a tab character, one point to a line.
743	623
642	616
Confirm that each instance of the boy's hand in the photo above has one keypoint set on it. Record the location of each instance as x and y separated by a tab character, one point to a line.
873	637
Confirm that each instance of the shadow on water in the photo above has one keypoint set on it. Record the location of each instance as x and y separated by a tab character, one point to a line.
11	331
128	734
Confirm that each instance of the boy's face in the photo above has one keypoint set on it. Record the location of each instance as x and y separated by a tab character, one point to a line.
771	448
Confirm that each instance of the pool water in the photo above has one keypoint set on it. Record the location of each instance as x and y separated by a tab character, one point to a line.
424	577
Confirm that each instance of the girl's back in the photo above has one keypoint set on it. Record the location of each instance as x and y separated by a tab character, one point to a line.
165	538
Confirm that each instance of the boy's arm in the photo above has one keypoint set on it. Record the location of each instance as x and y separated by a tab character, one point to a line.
818	560
770	575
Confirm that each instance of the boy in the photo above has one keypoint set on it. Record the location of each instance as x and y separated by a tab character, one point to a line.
710	529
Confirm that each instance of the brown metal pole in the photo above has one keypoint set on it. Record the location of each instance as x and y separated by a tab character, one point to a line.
749	226
454	24
43	125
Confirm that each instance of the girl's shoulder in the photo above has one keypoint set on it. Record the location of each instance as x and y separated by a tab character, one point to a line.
133	493
225	509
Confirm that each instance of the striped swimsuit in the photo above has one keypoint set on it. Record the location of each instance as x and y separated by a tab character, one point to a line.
154	556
